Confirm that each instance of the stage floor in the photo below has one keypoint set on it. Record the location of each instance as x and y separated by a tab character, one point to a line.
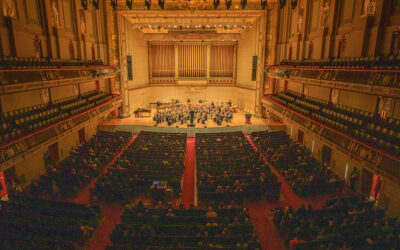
238	120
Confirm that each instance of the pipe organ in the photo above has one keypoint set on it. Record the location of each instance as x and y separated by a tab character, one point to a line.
193	60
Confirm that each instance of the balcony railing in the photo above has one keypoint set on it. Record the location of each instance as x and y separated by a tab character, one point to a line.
384	82
27	142
379	159
18	80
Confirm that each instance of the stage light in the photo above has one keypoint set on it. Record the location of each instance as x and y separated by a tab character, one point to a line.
96	3
161	3
114	4
228	4
147	3
129	4
84	4
216	4
243	3
282	3
263	4
294	4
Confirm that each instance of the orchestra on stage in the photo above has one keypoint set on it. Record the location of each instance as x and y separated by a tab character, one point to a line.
179	113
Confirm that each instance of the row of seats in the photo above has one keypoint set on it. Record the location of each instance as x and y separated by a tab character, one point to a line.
229	168
305	175
165	227
384	133
373	62
32	223
151	157
344	223
66	178
17	123
31	62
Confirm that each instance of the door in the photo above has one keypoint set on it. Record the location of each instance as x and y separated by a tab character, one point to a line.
81	133
300	137
53	153
366	182
326	155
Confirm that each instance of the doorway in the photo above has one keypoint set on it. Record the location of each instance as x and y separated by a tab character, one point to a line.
300	137
53	153
81	133
326	155
366	182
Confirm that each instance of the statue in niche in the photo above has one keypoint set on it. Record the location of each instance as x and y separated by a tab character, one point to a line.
9	8
369	7
299	24
83	21
56	15
325	14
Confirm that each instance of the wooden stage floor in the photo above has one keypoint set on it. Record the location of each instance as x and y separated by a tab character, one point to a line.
238	120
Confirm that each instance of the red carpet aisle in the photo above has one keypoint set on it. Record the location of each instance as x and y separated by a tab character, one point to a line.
259	211
84	196
188	176
112	213
112	216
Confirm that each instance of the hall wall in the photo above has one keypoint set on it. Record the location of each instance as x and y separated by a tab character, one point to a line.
84	30
137	48
33	167
340	160
247	48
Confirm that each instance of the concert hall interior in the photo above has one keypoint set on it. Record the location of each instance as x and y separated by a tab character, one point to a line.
199	124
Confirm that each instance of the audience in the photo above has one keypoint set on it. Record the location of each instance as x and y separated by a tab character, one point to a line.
27	223
224	227
85	162
346	223
305	174
229	168
151	157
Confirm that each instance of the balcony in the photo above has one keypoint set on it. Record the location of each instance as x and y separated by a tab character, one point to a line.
25	79
10	151
337	132
364	75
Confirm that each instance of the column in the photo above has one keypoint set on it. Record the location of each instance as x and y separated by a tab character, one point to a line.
208	61
176	62
124	74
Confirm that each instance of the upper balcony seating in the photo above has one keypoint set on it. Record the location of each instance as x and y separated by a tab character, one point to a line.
16	123
372	62
32	63
358	123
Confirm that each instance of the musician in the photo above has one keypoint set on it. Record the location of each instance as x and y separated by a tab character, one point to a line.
230	103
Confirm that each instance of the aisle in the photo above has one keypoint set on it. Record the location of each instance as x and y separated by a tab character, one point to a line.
112	216
111	213
188	176
259	211
84	196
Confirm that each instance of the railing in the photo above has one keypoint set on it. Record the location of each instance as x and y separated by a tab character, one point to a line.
22	144
385	82
379	158
17	80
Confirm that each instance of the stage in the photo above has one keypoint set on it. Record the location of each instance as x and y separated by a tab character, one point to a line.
136	124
